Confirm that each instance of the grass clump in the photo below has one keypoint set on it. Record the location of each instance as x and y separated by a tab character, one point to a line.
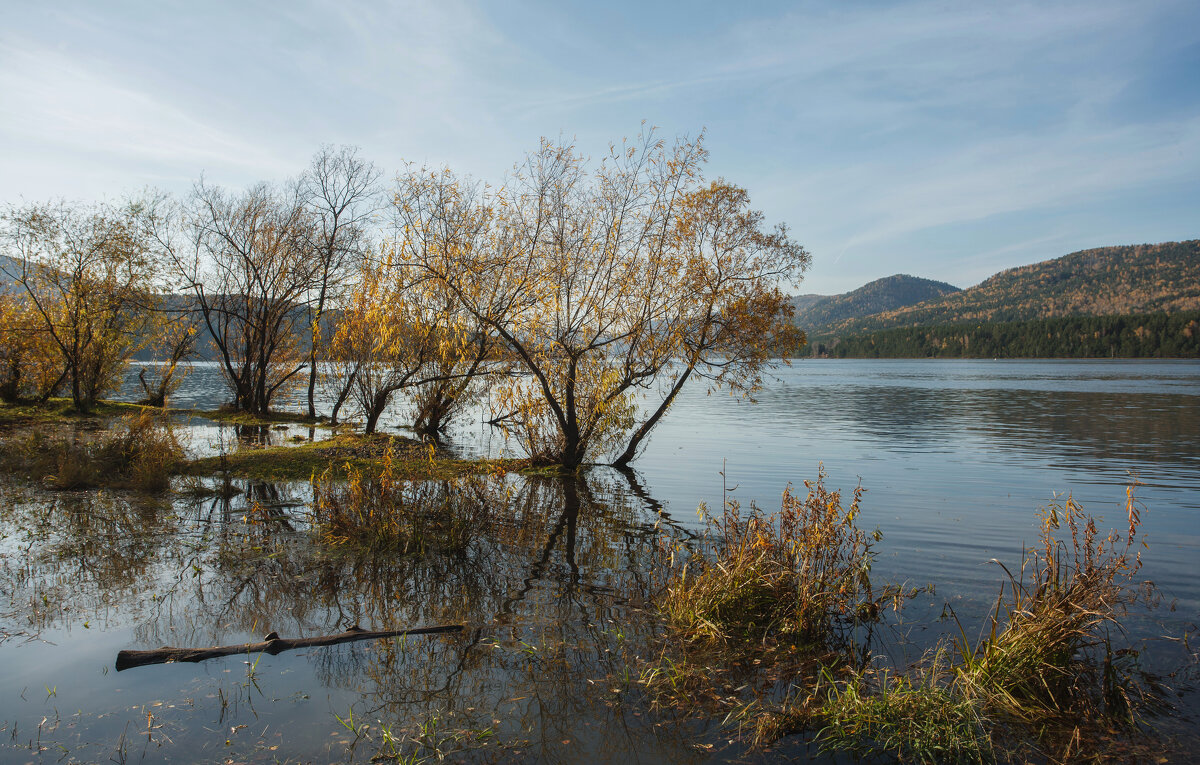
801	574
765	598
140	452
915	719
1044	677
381	511
1049	631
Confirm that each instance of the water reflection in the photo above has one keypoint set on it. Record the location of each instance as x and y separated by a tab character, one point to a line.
551	596
956	457
1089	428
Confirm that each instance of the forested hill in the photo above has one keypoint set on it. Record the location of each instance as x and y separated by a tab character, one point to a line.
1156	335
814	312
1134	279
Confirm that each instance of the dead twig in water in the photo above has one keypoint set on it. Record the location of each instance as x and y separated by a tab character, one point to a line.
272	644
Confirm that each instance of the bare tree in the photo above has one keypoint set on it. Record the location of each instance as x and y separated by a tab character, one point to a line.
245	259
340	191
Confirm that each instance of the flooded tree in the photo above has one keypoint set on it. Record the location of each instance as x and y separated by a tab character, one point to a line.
438	217
175	343
88	274
339	191
246	260
398	333
612	288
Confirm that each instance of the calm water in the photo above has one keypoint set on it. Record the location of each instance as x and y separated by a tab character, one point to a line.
956	457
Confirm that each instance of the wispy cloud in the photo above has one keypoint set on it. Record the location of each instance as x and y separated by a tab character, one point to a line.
878	130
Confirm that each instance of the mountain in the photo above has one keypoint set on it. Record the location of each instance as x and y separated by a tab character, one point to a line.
804	302
1134	279
816	312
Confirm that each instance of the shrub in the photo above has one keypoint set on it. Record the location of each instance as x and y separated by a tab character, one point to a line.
140	453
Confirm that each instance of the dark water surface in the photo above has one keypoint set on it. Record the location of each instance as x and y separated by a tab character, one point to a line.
956	457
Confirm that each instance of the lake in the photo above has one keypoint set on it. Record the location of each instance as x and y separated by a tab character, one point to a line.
956	458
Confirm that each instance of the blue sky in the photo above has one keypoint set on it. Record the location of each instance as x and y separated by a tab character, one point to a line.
944	139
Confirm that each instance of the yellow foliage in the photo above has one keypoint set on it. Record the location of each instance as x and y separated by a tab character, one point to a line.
608	288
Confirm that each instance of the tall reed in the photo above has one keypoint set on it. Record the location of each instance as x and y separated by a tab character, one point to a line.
801	574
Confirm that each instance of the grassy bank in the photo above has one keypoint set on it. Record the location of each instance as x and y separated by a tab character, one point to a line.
62	411
123	445
345	454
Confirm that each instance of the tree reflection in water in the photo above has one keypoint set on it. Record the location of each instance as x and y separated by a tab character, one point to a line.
552	593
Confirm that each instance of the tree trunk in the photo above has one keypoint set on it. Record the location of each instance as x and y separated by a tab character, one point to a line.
640	434
272	644
11	390
312	380
378	404
76	392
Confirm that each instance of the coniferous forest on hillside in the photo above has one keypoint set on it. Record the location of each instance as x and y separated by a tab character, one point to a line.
1155	335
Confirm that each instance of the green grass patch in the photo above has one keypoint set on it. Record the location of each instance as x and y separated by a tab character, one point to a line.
235	417
62	410
910	718
344	454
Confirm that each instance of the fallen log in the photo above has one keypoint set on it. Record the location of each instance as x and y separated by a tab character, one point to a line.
272	644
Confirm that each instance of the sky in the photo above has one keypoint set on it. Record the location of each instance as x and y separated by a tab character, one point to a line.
947	140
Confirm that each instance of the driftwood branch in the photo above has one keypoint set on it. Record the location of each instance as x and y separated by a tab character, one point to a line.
271	644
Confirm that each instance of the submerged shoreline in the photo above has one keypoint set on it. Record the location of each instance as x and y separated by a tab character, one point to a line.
558	582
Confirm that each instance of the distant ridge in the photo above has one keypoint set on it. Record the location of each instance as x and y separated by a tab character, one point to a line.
1133	279
816	312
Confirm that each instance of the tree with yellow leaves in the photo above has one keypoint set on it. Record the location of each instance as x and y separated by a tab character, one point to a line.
611	289
88	274
399	333
31	366
175	341
440	218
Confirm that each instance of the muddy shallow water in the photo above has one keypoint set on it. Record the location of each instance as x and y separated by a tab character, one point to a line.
956	457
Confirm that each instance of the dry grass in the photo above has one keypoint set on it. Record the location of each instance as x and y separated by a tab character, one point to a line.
801	574
139	452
